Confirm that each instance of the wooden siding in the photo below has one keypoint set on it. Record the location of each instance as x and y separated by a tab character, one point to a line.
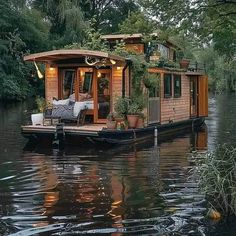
51	83
202	96
135	47
176	109
116	83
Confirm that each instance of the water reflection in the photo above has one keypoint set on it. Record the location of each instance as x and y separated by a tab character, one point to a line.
139	189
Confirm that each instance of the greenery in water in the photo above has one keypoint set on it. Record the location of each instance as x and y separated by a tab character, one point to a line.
217	172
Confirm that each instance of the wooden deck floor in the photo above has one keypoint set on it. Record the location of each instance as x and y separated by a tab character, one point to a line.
50	128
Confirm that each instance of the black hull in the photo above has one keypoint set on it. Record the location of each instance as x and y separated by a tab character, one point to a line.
135	135
117	136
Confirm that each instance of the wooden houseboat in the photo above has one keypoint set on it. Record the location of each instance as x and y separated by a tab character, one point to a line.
86	84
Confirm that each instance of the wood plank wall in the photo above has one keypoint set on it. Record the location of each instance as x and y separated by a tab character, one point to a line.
176	109
203	96
116	83
51	83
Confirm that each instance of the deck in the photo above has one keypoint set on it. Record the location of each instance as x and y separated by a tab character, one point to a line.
91	129
99	133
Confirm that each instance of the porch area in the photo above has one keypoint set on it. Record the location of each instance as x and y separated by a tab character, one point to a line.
83	130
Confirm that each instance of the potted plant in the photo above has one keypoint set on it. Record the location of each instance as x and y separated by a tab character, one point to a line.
133	116
183	61
37	118
121	107
111	122
140	122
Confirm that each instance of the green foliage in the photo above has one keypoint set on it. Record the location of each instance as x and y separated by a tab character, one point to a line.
111	116
41	104
136	105
129	106
108	14
151	80
15	39
66	19
218	179
137	22
121	106
93	40
206	21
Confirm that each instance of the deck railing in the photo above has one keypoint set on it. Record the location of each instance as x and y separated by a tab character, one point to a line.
197	67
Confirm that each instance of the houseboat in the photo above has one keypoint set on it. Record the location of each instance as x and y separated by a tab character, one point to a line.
82	88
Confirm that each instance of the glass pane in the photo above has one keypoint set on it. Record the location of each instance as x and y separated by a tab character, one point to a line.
103	86
177	86
68	83
167	85
88	80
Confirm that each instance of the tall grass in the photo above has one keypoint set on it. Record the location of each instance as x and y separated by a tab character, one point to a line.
217	172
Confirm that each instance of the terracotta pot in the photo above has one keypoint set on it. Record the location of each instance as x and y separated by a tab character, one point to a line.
184	63
111	124
140	123
119	119
132	120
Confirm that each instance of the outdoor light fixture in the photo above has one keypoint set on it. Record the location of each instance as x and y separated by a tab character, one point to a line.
113	62
82	73
51	67
40	75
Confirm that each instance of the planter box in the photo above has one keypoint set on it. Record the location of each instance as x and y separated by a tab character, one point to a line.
37	119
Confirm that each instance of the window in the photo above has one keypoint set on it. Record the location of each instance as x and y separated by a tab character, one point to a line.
164	51
88	80
167	85
68	83
177	86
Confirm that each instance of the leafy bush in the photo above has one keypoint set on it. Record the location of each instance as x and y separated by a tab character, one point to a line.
121	106
218	178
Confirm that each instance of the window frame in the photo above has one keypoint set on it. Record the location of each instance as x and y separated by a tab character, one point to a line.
177	77
169	94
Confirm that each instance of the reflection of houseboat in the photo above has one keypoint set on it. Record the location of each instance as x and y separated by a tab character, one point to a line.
91	81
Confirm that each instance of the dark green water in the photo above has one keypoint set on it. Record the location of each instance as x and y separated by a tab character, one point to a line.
131	190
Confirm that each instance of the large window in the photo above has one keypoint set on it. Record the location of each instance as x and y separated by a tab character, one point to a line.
68	82
167	85
177	86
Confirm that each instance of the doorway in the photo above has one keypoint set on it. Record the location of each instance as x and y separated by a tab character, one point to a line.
102	95
193	96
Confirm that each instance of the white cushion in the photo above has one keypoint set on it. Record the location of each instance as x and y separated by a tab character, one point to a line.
82	105
61	102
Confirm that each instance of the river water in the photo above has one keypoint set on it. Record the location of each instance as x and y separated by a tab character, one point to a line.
140	189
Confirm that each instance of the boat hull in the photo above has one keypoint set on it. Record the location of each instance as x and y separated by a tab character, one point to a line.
75	136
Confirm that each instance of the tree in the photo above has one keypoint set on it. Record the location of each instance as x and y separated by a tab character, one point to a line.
137	22
30	33
209	21
66	19
107	14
